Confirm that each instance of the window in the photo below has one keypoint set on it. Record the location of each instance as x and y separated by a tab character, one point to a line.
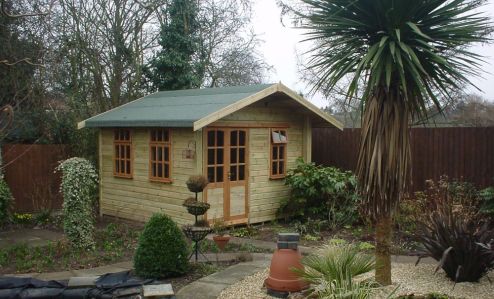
160	155
122	144
215	155
279	141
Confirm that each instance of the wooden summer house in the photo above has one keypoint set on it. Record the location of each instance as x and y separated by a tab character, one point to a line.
243	139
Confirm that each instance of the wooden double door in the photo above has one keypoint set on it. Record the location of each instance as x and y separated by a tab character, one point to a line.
226	167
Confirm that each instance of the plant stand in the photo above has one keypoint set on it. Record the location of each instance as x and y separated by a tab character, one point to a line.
197	235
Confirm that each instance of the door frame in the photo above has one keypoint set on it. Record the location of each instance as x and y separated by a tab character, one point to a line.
226	184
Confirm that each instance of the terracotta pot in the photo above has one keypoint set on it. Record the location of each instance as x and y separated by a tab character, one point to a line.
281	277
221	241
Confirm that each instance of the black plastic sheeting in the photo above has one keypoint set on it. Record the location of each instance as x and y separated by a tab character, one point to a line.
121	285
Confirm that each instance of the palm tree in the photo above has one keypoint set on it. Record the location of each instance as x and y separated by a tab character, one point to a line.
410	55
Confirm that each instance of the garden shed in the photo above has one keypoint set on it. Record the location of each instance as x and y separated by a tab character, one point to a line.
243	139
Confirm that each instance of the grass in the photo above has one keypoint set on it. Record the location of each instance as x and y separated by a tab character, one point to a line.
114	243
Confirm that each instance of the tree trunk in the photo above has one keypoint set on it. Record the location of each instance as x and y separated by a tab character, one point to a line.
383	250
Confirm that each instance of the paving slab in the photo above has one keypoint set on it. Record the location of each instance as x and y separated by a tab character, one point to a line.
203	290
64	275
232	274
99	271
30	236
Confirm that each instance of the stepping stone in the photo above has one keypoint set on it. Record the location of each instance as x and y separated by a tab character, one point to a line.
158	291
82	282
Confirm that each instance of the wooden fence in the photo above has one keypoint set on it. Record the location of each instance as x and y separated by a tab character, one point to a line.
462	153
29	172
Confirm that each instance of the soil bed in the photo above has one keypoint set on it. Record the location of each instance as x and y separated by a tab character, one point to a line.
403	244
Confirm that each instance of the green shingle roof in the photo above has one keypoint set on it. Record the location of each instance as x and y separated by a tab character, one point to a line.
195	108
180	108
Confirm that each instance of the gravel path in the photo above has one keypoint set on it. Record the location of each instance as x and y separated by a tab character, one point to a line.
409	279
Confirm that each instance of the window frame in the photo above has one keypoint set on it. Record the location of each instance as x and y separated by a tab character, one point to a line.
277	145
162	144
122	142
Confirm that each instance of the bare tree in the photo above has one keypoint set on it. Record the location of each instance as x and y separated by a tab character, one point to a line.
227	52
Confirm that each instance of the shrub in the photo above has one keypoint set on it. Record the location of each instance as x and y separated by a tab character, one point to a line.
460	244
79	185
162	250
332	269
5	201
321	192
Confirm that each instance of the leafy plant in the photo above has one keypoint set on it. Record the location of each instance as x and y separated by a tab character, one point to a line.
461	245
332	269
219	226
6	199
243	232
321	193
310	227
162	249
79	185
487	197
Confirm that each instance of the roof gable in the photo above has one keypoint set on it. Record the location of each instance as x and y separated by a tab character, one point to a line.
193	108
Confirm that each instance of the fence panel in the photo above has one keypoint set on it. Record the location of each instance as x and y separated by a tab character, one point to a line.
461	153
29	172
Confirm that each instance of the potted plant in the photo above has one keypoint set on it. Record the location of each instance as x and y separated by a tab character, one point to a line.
220	237
196	183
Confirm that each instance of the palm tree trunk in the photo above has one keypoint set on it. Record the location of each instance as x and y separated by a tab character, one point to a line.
383	250
383	168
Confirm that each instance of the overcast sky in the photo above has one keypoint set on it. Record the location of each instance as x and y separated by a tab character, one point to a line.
282	43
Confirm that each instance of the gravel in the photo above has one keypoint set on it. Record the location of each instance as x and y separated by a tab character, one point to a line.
409	279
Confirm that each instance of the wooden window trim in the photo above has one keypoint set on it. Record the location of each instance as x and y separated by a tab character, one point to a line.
163	144
277	145
119	142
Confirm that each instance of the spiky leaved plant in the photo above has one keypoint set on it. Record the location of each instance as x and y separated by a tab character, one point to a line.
409	55
331	271
463	247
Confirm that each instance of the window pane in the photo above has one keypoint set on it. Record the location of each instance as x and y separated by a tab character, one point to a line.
127	154
153	169
282	151
210	156
211	174
167	171
166	135
233	155
160	153
221	138
241	155
233	138
219	174
211	138
122	167
115	135
274	168
160	170
241	138
117	166
241	172
127	170
153	153
275	153
126	135
219	156
233	173
117	152
159	136
279	136
281	168
167	154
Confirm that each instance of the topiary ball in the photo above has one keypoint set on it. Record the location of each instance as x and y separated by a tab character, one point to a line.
162	250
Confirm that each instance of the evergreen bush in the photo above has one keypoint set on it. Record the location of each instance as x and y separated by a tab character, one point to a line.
162	250
79	186
5	201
